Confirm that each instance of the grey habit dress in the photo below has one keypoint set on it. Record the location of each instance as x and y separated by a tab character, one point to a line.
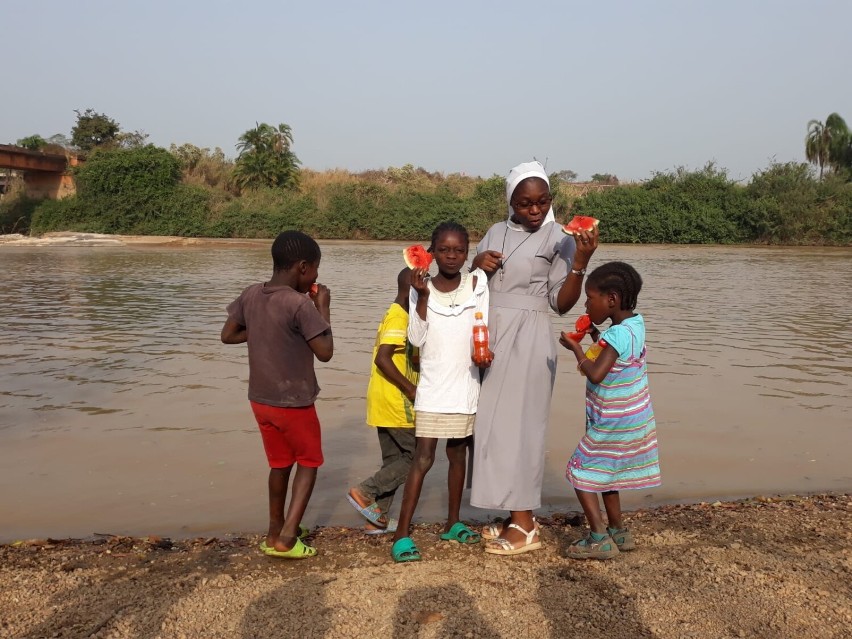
514	403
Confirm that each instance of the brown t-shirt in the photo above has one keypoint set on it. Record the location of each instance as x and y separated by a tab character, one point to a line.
279	323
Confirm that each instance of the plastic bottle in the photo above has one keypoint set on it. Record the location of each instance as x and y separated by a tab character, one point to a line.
480	338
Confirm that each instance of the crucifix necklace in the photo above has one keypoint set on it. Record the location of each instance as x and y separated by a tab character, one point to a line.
503	248
455	292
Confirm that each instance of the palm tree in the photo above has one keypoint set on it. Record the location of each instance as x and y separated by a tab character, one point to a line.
829	144
265	158
817	144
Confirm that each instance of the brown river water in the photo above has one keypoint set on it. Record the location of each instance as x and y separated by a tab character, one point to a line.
121	412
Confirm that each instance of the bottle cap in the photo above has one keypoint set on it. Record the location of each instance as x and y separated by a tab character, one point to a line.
477	315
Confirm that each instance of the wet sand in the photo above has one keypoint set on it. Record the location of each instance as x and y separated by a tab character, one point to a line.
764	567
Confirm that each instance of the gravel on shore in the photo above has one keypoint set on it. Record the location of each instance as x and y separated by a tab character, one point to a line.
763	567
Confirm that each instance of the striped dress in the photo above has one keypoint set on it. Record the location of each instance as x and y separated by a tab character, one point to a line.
619	449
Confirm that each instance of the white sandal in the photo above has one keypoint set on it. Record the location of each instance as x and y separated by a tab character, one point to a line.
493	531
503	546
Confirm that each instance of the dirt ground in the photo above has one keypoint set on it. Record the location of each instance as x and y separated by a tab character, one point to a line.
763	567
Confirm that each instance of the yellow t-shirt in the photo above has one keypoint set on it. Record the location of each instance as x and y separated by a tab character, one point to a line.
387	405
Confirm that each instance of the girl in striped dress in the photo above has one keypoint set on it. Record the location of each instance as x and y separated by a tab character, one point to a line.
619	449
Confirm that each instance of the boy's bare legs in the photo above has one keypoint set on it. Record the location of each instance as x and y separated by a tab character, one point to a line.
612	503
278	480
457	456
424	457
592	510
300	494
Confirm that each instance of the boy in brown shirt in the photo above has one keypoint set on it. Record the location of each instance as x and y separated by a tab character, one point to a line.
286	322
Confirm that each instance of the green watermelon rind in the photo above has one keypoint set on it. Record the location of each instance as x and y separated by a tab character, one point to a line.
565	229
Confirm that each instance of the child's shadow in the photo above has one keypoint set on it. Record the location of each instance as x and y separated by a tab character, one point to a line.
575	600
97	605
450	608
296	609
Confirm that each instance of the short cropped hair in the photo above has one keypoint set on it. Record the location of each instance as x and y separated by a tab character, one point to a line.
293	246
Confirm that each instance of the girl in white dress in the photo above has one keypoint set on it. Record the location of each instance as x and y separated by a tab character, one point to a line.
441	325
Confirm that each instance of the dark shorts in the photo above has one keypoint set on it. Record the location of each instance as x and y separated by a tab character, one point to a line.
290	435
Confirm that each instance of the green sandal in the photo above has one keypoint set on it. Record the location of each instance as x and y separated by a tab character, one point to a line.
622	538
462	534
404	550
300	550
591	548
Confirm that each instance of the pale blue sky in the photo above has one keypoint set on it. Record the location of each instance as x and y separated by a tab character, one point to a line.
454	86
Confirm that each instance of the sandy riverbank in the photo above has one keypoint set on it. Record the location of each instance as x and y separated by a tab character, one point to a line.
765	567
70	238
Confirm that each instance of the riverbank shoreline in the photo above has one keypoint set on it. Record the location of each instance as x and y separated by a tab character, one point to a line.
73	238
760	567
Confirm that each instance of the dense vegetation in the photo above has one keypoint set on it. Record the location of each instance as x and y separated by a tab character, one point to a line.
130	188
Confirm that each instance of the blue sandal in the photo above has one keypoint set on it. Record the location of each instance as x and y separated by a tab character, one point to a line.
371	513
462	534
404	550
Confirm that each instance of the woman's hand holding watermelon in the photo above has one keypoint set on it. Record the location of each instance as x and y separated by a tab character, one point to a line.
587	243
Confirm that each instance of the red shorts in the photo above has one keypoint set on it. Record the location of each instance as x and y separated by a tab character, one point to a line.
289	435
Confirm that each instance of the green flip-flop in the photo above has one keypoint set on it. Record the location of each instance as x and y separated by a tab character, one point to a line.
300	550
462	534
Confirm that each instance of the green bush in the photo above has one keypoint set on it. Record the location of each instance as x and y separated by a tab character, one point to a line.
680	207
62	215
788	205
16	213
138	191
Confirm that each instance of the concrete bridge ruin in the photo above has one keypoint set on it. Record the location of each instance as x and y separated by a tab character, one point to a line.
46	175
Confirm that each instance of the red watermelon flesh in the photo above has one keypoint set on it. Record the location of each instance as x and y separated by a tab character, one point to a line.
417	257
580	223
582	326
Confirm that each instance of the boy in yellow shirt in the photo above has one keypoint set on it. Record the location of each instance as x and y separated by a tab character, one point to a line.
390	409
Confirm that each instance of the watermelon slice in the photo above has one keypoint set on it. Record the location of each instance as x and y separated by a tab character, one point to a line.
580	223
417	257
581	327
314	289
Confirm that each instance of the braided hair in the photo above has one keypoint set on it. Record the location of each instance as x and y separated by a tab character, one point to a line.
448	227
620	278
291	247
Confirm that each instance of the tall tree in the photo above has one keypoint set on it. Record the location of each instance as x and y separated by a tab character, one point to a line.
32	142
817	143
840	143
829	144
605	178
265	158
93	130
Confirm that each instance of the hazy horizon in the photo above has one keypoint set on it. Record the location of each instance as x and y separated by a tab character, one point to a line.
471	88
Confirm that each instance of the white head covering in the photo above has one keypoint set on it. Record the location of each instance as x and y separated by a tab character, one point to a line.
516	176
